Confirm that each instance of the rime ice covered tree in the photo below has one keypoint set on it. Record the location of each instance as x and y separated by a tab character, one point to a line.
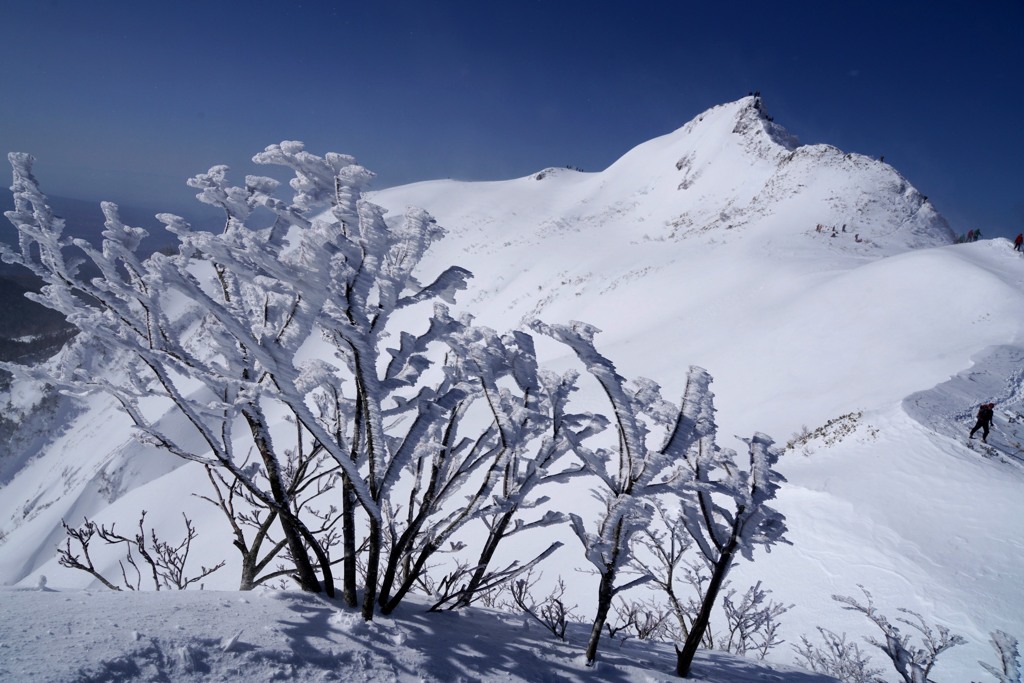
913	662
535	423
628	474
212	330
488	479
723	507
219	334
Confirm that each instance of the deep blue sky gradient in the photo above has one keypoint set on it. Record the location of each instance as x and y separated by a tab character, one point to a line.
125	100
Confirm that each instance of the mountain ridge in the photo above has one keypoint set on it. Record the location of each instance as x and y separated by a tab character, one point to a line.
752	165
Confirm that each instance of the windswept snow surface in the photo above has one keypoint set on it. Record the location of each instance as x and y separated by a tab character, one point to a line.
873	337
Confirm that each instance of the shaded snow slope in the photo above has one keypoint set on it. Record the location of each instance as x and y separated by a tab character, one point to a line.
93	637
701	247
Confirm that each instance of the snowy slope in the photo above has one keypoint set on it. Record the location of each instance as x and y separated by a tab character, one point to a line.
728	272
702	247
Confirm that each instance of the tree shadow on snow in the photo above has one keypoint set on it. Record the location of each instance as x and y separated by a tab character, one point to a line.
480	644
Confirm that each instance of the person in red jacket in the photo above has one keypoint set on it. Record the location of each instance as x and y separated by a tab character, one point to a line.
984	421
1017	242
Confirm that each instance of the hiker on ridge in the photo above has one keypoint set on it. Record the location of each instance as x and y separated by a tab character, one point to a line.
984	421
1017	242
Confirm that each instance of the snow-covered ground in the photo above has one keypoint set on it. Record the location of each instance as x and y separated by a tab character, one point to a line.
101	636
819	289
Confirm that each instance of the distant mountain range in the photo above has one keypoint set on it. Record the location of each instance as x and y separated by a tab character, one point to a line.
31	331
85	220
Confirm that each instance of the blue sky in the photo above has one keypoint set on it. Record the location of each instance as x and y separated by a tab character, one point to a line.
125	100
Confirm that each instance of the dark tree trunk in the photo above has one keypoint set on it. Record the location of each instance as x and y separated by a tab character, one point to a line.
348	535
684	657
497	533
387	607
400	551
321	556
372	570
304	572
605	593
248	579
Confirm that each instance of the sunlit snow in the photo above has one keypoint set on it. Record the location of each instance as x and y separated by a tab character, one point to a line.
820	290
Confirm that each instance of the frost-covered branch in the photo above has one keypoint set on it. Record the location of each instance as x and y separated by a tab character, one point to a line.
165	562
725	508
913	663
1007	649
634	473
839	658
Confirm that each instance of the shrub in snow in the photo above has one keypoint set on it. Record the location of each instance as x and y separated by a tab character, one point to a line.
723	507
751	620
412	449
641	619
551	612
259	549
163	563
830	433
913	663
838	658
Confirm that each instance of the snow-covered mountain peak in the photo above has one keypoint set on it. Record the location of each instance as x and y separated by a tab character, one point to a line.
748	121
732	177
740	131
734	167
754	120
